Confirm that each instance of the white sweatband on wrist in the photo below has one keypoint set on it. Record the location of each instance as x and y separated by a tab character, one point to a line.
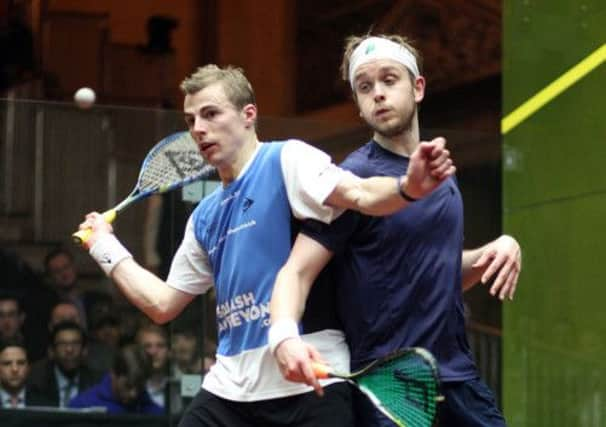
281	330
380	48
108	252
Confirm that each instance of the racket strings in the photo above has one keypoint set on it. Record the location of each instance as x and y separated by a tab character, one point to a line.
407	388
173	162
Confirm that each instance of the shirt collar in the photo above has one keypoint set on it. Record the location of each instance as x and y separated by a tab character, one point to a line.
5	398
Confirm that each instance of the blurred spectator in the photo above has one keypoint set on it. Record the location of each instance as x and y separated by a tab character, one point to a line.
122	390
186	355
104	342
14	368
64	374
11	318
19	280
63	279
153	339
64	311
106	330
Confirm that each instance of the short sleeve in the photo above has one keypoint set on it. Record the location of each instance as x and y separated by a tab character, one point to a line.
310	177
190	270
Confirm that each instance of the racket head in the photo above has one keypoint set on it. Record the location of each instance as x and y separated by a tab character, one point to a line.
172	163
404	386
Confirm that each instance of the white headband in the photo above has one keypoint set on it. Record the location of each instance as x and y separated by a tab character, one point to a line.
379	48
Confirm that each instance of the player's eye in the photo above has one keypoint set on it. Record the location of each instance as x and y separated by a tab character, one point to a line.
363	87
210	114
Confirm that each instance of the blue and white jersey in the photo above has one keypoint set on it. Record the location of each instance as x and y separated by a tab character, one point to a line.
236	240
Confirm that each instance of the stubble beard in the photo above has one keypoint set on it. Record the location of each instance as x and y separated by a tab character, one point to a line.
400	127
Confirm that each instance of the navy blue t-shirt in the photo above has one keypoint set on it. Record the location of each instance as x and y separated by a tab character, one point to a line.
398	277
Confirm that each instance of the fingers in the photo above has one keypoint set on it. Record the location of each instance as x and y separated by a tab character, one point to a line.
508	267
310	378
443	170
440	162
95	224
294	359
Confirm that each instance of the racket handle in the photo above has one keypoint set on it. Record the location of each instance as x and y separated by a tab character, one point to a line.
320	370
80	237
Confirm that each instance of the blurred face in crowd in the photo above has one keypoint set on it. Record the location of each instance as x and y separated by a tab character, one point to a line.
155	346
108	333
13	369
11	318
184	350
64	312
125	391
67	351
62	272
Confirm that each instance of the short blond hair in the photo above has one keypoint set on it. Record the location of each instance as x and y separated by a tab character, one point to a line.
352	42
237	88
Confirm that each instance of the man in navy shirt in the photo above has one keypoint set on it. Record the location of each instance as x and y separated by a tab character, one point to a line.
399	278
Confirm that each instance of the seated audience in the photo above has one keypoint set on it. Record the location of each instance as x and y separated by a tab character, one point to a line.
63	278
64	311
64	374
14	368
11	317
122	390
153	339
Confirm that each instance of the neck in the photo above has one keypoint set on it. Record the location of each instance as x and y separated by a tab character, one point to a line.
67	374
230	172
157	379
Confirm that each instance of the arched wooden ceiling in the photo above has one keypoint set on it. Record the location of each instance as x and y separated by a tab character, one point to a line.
460	41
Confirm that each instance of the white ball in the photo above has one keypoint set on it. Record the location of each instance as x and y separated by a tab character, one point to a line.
85	97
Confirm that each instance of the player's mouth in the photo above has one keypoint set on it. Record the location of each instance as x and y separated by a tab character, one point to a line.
206	146
382	112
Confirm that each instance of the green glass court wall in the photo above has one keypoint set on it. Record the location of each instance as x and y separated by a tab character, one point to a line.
554	201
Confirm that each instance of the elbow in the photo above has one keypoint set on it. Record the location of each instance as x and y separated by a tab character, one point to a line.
160	315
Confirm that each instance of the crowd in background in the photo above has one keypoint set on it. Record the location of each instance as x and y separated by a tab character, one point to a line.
66	347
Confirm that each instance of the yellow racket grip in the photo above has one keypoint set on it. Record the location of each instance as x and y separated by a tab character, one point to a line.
320	370
82	236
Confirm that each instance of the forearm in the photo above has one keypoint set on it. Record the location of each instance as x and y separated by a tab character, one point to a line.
142	288
145	290
375	196
289	295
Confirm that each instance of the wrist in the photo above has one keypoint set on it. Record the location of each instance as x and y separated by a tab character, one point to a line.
281	330
402	185
108	252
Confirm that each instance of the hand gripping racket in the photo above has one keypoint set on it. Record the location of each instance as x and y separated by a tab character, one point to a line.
172	163
404	385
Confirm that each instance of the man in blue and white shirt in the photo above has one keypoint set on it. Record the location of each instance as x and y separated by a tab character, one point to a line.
238	238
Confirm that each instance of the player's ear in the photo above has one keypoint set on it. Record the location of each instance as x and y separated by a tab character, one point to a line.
250	114
419	88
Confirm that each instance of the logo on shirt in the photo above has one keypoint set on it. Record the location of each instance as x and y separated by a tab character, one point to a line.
247	204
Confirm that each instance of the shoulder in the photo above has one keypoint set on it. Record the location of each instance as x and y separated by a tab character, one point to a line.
359	161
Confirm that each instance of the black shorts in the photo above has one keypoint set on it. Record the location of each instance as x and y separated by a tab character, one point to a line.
302	410
467	404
